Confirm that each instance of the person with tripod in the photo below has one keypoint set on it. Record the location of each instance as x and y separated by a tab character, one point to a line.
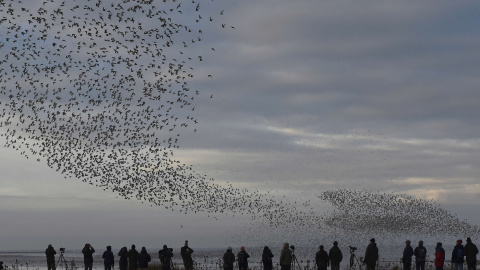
321	259
285	257
50	252
165	256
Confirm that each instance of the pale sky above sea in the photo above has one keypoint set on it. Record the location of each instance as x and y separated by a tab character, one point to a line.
308	96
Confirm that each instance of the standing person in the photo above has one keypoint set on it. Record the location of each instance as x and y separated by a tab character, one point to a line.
407	256
186	253
143	259
439	256
420	253
457	255
321	259
267	256
335	255
88	256
165	256
471	252
108	260
285	258
228	259
123	263
50	252
132	255
371	255
242	257
1	265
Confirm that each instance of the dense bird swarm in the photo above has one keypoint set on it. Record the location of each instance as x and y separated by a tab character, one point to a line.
377	213
98	90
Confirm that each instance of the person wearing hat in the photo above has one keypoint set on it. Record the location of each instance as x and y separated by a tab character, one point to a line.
242	258
108	260
321	259
165	256
471	252
371	255
335	255
186	253
50	252
228	259
439	256
407	256
457	255
420	253
285	257
143	259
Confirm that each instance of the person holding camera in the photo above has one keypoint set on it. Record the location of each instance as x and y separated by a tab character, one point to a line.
108	260
285	257
88	256
165	256
186	253
50	252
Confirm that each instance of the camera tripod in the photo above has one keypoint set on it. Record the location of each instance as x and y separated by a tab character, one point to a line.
295	263
61	261
354	259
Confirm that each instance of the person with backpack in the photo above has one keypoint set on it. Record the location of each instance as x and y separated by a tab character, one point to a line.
165	256
420	254
267	256
471	252
439	256
407	256
143	259
228	259
242	258
335	255
108	260
457	255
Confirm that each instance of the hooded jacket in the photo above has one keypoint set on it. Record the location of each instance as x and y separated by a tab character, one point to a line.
335	254
108	256
242	258
286	256
123	253
267	256
471	252
439	256
88	254
371	255
50	252
420	252
458	253
143	258
228	259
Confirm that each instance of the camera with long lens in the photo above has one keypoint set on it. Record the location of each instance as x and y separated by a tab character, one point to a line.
352	248
62	250
292	247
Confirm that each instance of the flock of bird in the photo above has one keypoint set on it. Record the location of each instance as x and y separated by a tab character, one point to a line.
98	90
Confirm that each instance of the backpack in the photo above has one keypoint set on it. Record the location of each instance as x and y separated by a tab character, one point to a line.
241	258
421	253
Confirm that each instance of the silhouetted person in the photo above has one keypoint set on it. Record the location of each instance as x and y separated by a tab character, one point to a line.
407	256
335	255
165	255
285	257
1	265
267	256
123	263
186	253
439	256
321	259
420	253
108	259
143	259
457	255
132	258
471	252
242	258
50	252
371	255
88	256
228	259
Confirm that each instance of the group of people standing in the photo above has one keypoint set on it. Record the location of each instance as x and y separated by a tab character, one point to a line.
460	254
129	259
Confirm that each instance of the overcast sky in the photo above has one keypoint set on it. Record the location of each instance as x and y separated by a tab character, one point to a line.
308	96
